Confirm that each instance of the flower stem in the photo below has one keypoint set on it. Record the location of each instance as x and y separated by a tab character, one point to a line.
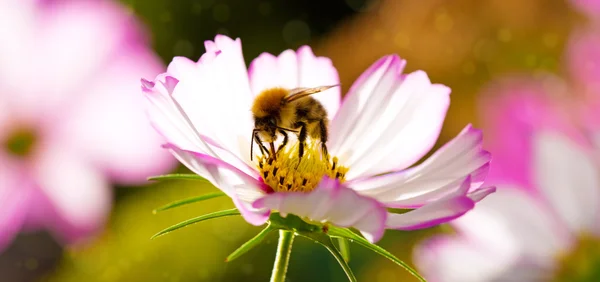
284	250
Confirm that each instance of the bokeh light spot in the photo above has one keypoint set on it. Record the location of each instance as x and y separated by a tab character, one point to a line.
165	17
402	40
296	32
443	22
468	68
222	30
264	8
504	35
183	48
386	275
196	8
531	60
31	264
378	35
221	13
550	40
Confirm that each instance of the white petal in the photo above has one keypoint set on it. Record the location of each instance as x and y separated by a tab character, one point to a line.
172	122
79	193
435	177
514	224
443	210
74	40
569	179
297	69
409	111
456	259
19	21
334	203
122	143
216	96
167	116
242	188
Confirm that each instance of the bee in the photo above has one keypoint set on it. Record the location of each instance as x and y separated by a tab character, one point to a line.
280	110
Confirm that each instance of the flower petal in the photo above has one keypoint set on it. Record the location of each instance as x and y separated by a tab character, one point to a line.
69	52
217	89
242	188
589	7
409	111
437	176
297	69
167	116
334	203
568	177
443	258
121	143
19	19
13	200
514	109
172	122
78	193
443	210
514	223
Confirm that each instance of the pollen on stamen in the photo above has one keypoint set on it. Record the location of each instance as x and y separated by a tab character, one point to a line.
289	173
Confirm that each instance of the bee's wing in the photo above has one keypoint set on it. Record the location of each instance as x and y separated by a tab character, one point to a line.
302	92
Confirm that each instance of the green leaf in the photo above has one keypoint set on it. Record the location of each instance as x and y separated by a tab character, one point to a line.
344	248
195	220
188	201
251	243
177	176
353	237
326	242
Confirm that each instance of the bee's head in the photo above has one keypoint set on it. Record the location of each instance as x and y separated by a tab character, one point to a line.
266	127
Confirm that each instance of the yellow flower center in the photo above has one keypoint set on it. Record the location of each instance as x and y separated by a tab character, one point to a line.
20	142
289	173
582	263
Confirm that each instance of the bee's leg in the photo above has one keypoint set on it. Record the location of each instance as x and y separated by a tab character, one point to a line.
285	140
301	139
272	151
261	146
323	132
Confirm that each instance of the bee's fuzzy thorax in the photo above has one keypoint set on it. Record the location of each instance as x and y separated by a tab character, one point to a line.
268	102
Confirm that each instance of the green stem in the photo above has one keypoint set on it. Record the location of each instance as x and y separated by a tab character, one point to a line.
284	250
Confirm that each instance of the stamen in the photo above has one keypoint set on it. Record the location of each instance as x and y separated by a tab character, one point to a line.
289	173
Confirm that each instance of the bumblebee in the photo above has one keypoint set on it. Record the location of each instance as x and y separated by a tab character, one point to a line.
281	111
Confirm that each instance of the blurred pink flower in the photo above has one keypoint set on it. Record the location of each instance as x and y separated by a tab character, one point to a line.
542	224
589	7
386	123
70	121
583	61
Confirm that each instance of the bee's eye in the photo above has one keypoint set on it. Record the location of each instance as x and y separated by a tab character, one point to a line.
272	121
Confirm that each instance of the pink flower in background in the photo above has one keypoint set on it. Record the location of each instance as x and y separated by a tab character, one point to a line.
583	61
386	123
543	223
589	7
69	123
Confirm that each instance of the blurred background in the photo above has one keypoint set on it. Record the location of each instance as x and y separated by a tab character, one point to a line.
461	43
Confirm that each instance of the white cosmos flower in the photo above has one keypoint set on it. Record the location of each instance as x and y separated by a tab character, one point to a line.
386	123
